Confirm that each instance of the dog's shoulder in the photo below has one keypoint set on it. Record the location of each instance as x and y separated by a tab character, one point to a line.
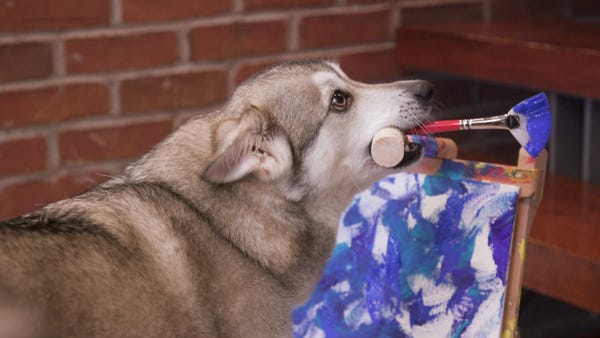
109	212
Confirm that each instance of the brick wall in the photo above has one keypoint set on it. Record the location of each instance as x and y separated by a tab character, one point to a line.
87	87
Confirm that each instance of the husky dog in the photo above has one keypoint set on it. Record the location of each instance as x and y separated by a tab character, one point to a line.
222	228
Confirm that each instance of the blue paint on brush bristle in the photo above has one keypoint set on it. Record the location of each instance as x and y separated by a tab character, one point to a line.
539	122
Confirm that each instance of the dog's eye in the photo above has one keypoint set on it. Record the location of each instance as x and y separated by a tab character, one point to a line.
340	100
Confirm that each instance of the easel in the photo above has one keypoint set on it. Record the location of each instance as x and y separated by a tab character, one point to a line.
341	305
529	175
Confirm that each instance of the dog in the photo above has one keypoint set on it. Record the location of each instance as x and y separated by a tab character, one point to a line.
221	229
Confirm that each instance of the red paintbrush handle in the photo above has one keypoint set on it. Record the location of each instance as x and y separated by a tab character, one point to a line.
439	127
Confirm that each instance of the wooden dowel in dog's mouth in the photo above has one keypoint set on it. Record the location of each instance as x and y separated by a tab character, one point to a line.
391	148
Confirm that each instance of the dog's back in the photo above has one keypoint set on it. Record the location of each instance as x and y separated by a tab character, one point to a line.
219	231
134	259
81	267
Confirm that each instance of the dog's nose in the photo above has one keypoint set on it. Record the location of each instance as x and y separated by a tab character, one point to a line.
424	91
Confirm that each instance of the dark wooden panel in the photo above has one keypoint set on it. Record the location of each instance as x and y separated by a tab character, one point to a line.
594	165
559	274
563	254
546	55
569	130
569	217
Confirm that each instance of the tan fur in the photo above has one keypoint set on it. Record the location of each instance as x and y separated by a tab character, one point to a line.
219	231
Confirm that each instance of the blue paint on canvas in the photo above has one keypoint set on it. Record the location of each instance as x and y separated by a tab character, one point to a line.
416	256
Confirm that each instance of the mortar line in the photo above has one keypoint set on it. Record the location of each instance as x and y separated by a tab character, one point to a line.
114	76
183	45
91	122
293	33
394	19
52	150
58	58
238	6
116	12
114	97
65	170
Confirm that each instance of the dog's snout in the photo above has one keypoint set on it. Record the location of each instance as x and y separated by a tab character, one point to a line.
424	91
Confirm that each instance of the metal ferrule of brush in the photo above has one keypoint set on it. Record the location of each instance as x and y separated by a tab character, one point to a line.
494	122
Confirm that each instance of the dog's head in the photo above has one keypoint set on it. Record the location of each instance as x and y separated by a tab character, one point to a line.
307	127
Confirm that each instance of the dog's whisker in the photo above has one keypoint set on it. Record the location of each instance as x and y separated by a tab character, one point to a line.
355	184
438	104
110	177
420	126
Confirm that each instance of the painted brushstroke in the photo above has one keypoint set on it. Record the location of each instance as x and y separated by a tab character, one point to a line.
481	171
417	256
430	145
536	118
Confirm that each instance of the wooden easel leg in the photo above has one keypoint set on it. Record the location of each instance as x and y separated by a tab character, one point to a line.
526	209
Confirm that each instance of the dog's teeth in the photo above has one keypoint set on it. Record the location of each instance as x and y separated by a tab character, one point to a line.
388	147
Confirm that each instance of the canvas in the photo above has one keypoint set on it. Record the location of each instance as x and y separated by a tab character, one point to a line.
417	256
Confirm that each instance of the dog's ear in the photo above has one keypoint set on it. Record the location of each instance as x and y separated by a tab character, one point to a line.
251	145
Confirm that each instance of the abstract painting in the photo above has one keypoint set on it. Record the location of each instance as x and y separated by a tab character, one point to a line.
417	256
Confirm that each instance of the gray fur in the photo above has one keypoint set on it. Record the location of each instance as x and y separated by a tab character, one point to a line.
219	231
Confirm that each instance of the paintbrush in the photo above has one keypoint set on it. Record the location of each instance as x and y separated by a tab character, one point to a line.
529	122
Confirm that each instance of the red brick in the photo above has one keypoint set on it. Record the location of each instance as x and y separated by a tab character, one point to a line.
47	14
448	12
173	91
25	197
22	156
111	143
120	52
157	10
372	66
52	104
25	61
238	39
343	29
271	4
